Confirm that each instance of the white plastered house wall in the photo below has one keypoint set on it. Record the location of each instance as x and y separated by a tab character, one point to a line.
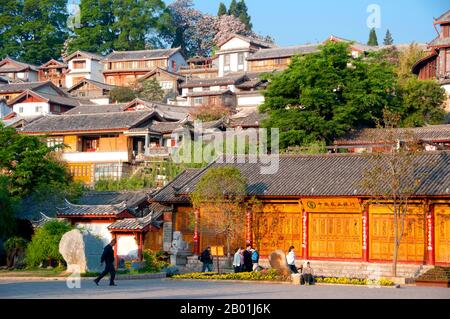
233	48
92	71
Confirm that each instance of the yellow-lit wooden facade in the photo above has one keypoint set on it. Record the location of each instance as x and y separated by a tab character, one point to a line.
348	229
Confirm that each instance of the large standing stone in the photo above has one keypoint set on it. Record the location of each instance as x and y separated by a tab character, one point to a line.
81	250
277	260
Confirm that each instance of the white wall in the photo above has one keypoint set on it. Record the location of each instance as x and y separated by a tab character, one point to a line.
30	108
179	59
250	100
127	247
98	229
235	43
96	157
92	71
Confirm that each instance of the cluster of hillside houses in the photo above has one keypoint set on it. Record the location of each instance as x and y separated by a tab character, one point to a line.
313	202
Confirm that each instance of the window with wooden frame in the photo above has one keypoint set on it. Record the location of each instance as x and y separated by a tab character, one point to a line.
80	64
90	144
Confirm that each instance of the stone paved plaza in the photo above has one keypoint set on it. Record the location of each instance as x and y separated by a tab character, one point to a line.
176	289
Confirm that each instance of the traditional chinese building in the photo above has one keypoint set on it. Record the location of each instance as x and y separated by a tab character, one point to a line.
124	68
16	70
436	65
83	65
96	92
53	71
431	138
200	67
317	203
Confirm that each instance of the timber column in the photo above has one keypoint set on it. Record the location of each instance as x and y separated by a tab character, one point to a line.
365	233
305	234
430	235
196	233
249	225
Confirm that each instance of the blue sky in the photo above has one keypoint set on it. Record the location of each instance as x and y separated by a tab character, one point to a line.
293	22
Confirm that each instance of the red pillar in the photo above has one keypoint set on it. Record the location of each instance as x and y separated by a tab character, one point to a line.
196	233
365	234
140	246
115	251
430	236
249	226
305	234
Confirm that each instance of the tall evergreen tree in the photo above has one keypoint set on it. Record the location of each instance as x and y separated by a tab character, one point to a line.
243	14
33	31
373	40
233	10
388	40
138	23
222	9
95	34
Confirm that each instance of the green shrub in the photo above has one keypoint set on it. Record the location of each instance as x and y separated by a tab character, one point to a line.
15	243
44	245
151	262
353	281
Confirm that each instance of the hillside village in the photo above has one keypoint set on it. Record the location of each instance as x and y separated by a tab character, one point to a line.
70	102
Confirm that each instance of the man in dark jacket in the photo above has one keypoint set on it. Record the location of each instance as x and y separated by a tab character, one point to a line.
248	264
108	259
207	260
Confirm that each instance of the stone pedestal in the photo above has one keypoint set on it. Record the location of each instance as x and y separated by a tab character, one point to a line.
179	250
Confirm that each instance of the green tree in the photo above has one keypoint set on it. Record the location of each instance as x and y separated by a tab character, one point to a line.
96	30
122	94
33	30
422	103
44	245
233	9
243	14
407	59
138	22
221	192
388	40
222	9
373	40
321	96
7	218
28	163
152	91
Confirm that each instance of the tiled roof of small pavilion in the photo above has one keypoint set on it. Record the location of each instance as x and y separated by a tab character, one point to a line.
431	133
91	210
152	218
325	175
443	18
438	41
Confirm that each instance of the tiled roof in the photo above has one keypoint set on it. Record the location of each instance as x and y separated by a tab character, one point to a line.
167	194
155	212
247	120
88	122
91	210
101	85
86	54
96	108
22	65
209	93
440	41
131	198
60	99
251	40
169	112
20	87
283	52
329	175
141	55
226	80
165	127
443	18
432	133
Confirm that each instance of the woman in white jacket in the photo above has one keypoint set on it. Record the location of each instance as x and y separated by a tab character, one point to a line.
290	259
237	260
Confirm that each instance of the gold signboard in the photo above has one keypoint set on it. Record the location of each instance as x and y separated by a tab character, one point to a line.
217	251
331	205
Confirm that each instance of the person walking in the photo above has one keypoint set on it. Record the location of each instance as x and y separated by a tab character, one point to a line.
290	259
255	259
248	265
207	260
237	260
108	259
